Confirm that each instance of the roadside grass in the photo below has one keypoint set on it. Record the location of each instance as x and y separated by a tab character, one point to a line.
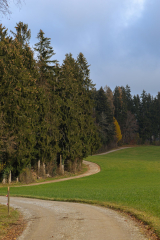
7	221
129	181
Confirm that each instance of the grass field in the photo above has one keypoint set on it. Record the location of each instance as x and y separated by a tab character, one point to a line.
129	180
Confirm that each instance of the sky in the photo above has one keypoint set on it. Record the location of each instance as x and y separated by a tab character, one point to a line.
119	38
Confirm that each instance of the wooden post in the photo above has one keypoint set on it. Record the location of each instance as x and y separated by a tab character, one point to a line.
17	179
8	201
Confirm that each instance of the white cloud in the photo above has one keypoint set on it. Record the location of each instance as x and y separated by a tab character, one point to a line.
134	10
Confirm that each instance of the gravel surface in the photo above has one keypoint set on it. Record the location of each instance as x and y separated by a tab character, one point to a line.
73	221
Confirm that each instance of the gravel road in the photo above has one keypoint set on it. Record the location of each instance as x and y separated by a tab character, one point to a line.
73	221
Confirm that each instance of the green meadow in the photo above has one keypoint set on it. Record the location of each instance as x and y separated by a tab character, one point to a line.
129	180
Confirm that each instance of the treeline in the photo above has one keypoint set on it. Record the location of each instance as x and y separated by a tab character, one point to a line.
137	116
46	109
52	113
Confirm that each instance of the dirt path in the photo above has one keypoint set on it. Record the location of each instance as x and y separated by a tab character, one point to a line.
93	168
73	221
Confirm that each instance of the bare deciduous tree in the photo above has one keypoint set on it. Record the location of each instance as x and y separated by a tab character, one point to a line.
4	6
130	129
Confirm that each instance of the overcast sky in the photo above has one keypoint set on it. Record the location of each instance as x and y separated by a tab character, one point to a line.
119	38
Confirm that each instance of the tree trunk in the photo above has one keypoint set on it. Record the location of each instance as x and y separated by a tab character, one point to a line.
44	169
61	166
4	181
10	177
39	165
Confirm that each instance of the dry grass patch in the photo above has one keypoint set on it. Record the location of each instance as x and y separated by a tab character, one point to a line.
11	225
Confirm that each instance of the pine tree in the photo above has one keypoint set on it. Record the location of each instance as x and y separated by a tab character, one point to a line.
110	98
130	129
145	117
77	128
84	72
69	111
22	34
129	100
157	109
120	104
45	52
3	33
47	135
18	93
89	137
104	117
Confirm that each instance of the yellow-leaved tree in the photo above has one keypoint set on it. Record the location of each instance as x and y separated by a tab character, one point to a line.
117	130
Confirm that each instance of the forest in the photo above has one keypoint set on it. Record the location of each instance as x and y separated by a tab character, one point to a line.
53	114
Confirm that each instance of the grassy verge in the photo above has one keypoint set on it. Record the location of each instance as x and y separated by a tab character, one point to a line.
10	225
129	181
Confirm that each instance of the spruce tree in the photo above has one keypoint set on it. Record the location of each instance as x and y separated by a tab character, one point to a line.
45	52
90	137
47	135
3	33
120	103
69	111
22	34
104	117
77	128
18	104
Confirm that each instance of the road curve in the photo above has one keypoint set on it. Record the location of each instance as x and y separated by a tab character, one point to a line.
93	168
72	221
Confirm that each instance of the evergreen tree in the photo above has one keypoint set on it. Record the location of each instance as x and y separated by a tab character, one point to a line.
22	34
145	117
120	104
104	117
69	128
45	52
129	99
84	73
3	33
90	137
130	129
17	97
136	106
77	128
47	135
157	116
110	99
